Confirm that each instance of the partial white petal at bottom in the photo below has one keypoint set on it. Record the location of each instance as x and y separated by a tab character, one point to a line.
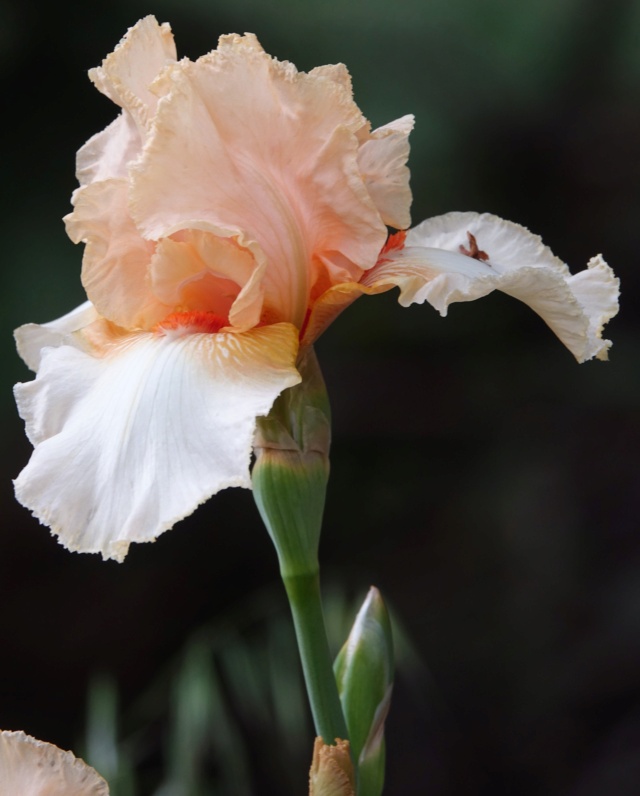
29	767
130	442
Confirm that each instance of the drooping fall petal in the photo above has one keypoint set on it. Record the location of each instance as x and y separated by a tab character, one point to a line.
29	767
131	439
464	256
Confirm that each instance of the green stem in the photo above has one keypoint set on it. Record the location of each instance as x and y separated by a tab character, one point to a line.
303	592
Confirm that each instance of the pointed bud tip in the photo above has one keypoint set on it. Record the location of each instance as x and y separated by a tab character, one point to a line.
364	674
374	606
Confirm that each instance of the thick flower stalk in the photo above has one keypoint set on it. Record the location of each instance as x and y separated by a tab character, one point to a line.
29	767
229	213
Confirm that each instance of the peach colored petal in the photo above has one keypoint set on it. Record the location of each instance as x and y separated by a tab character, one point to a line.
383	163
339	74
245	146
131	439
464	256
29	767
127	73
331	771
115	266
201	271
107	154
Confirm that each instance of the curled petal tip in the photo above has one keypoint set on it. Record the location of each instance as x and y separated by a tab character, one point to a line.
464	256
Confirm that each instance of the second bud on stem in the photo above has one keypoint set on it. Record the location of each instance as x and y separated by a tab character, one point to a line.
364	672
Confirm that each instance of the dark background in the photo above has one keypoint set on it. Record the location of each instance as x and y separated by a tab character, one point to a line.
481	478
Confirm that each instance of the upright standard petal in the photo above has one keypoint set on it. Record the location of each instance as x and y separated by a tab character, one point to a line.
245	146
464	256
126	77
29	767
383	163
126	74
132	439
107	154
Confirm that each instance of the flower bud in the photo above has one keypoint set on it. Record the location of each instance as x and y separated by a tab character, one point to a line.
292	468
331	770
364	673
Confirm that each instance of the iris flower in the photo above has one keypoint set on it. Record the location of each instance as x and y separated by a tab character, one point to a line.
230	212
33	768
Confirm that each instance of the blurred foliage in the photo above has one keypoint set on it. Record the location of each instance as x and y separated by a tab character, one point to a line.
234	718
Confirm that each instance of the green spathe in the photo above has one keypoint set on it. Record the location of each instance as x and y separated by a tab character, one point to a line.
292	469
289	489
364	673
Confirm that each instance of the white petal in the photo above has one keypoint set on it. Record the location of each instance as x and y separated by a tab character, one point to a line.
597	290
29	767
505	242
129	443
383	162
432	267
33	337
